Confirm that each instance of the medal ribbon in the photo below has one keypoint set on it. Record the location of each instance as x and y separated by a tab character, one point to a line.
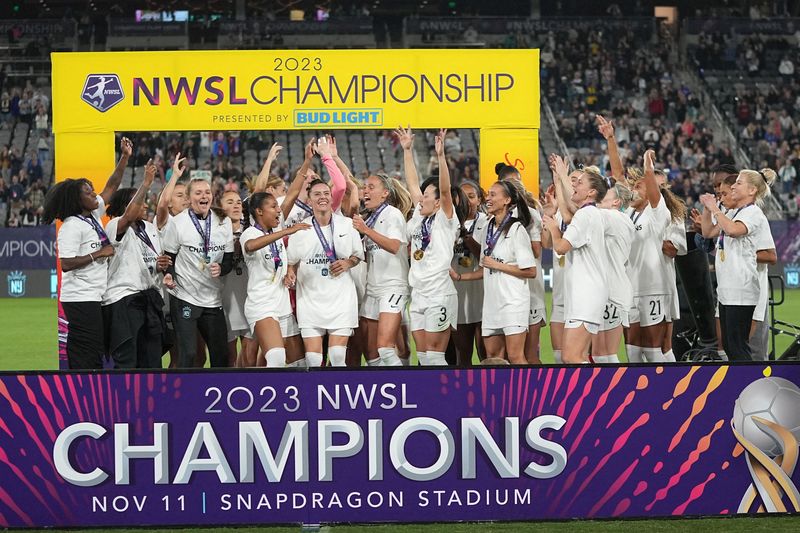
329	249
427	222
304	206
721	240
139	231
206	236
101	234
273	248
493	235
635	220
373	218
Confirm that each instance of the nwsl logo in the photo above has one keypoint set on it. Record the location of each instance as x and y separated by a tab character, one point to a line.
102	91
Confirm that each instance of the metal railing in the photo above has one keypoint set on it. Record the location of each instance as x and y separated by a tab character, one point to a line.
551	120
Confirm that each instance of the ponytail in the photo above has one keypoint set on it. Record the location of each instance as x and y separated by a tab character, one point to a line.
517	202
762	180
677	209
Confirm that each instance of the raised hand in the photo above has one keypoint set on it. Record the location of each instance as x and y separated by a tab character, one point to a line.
178	168
332	145
405	136
126	147
605	127
150	170
323	148
649	163
274	150
439	142
309	151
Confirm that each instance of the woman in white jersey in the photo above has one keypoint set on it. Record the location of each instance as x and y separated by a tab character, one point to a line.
432	232
200	243
585	284
83	247
739	233
619	235
466	259
320	258
267	307
651	287
132	303
673	245
386	244
560	207
234	291
507	262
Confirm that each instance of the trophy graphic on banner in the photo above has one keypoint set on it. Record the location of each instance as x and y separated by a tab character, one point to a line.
766	422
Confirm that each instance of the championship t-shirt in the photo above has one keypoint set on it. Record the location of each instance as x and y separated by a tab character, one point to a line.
132	268
78	237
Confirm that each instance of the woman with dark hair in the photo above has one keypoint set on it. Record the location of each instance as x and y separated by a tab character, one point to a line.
199	242
83	247
585	285
507	262
327	302
132	304
432	231
386	245
466	259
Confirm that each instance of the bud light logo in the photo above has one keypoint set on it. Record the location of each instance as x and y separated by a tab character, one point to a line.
16	284
102	91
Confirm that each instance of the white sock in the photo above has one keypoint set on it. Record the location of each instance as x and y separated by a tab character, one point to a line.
337	355
605	359
276	358
300	363
653	355
669	356
313	359
722	355
436	358
557	357
405	361
422	357
389	356
374	362
634	353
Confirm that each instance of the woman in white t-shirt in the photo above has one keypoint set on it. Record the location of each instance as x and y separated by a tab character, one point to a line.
673	245
234	291
651	308
267	307
619	232
507	262
320	258
466	259
132	303
740	232
386	245
432	231
200	243
83	247
584	247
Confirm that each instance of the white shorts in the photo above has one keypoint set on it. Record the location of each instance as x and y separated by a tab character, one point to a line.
288	324
373	306
536	316
235	334
321	332
591	327
613	317
557	314
507	330
434	315
650	310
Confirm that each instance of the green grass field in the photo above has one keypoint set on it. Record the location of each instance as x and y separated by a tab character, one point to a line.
29	334
29	340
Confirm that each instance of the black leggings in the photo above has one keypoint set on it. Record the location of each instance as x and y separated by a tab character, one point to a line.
735	321
187	320
85	346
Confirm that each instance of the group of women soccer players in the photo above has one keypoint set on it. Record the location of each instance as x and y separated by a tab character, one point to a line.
299	272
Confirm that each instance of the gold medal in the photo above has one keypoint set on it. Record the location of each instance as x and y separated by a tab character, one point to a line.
465	261
418	255
562	260
202	264
722	255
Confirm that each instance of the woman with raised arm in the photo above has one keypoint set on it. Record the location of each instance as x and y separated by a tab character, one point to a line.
584	247
466	259
386	244
173	199
507	263
432	230
200	243
132	303
651	289
327	302
267	308
740	234
83	247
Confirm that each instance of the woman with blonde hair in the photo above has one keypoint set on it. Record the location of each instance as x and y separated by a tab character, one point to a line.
739	233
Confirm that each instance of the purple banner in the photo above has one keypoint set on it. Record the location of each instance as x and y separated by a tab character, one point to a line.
265	447
28	248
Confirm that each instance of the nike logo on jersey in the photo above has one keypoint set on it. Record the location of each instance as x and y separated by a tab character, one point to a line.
342	235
